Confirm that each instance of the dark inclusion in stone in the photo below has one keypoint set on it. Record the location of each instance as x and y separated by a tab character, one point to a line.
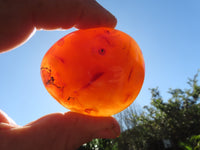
102	51
93	79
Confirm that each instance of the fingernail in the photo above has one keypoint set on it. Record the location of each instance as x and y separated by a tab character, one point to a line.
115	129
109	133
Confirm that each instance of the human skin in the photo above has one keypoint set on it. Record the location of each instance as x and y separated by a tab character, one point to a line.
20	18
60	131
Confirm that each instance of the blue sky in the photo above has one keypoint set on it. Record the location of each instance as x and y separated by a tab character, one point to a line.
168	33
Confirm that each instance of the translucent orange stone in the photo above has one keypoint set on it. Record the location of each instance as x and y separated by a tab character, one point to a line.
96	72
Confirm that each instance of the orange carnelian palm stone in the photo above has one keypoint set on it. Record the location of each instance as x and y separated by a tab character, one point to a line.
97	71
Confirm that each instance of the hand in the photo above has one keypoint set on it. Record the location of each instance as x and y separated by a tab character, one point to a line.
20	18
54	131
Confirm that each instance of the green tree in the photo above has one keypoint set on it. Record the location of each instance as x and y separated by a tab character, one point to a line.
174	120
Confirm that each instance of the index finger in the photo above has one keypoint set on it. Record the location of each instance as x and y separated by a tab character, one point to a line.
20	18
67	13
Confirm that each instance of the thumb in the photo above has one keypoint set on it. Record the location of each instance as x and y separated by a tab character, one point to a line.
72	129
93	127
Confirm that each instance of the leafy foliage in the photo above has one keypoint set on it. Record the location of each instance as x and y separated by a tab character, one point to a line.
192	144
